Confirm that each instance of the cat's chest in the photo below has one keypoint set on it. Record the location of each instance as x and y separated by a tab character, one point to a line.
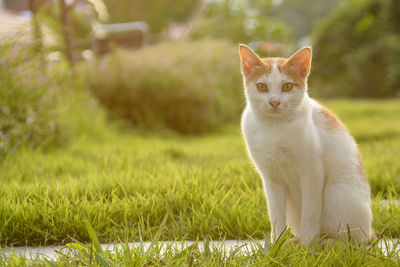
271	147
279	146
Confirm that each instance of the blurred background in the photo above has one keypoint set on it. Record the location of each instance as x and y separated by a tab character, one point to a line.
173	65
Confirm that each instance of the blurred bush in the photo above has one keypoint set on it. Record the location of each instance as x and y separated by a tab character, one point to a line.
26	99
298	14
40	105
357	51
156	13
188	87
240	21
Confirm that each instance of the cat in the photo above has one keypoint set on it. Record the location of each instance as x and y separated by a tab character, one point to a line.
309	163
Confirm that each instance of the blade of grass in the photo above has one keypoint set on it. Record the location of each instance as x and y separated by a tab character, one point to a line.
157	237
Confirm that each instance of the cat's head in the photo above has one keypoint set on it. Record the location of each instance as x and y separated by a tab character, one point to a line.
275	87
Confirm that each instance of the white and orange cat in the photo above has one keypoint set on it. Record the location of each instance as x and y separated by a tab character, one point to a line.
309	163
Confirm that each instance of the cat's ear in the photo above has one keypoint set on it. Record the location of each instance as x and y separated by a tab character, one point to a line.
301	61
249	59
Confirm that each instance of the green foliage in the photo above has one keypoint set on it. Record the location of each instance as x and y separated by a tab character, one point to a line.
27	97
157	13
49	16
356	51
301	16
189	87
41	105
240	21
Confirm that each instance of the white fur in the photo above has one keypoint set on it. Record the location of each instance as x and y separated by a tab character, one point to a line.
310	171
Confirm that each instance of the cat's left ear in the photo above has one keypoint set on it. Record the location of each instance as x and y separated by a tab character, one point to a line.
301	61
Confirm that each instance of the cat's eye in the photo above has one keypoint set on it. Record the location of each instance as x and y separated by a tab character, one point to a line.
286	87
262	87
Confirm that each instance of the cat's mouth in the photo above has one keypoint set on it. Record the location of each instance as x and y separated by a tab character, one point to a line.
275	110
278	112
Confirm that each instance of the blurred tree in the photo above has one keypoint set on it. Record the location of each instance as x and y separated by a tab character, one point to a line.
79	19
240	21
37	33
357	51
156	13
302	15
67	31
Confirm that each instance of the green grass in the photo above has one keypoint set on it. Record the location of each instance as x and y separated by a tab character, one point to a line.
259	253
125	183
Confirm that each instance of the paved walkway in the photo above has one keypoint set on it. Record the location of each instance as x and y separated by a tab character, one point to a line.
244	246
12	23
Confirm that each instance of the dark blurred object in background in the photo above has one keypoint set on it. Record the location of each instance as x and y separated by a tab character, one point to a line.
128	35
16	5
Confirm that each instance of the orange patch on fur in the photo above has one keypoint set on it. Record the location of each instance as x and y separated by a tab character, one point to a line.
271	60
333	123
284	68
297	66
266	68
258	71
332	120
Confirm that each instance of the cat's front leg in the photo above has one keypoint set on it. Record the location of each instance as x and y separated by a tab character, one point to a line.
276	197
312	198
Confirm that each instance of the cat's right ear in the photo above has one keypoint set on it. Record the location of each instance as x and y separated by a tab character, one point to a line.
301	61
249	59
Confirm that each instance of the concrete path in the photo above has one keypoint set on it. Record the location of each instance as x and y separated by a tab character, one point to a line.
12	23
244	246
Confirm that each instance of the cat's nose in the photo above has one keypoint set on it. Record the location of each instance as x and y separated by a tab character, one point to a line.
274	103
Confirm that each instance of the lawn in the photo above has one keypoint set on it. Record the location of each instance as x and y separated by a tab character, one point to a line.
125	183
